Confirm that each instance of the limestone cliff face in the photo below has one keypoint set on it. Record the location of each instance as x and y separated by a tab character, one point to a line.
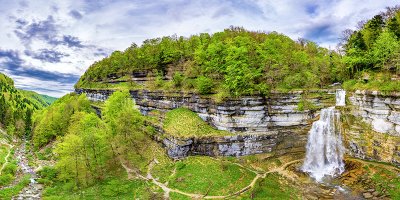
371	122
372	126
259	124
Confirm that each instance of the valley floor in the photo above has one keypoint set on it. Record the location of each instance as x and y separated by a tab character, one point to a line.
262	176
250	177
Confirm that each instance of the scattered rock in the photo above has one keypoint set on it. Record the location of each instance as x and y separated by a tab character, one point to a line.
367	195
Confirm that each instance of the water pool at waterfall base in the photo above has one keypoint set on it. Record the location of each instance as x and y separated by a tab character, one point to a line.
358	181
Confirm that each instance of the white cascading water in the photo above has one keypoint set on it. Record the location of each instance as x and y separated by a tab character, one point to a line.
340	97
324	154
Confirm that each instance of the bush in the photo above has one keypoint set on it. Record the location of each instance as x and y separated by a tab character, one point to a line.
159	82
177	79
48	173
5	179
10	168
306	105
204	85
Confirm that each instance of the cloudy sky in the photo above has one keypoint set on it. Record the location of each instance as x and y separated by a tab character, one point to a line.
46	45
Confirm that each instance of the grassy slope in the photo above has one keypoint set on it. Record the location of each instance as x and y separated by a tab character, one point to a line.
204	175
182	122
12	191
116	188
40	99
272	187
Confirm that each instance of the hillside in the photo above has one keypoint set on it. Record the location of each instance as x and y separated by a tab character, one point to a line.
39	99
17	106
373	53
235	62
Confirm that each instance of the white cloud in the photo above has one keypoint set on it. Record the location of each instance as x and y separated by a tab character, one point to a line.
114	25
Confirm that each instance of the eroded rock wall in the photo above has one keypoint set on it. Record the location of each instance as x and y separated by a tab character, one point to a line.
260	125
372	126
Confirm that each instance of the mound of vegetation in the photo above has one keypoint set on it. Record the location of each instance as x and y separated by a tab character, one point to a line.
205	175
182	122
234	62
373	53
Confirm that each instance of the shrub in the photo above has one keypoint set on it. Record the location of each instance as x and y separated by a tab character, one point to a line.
204	85
177	79
5	179
48	173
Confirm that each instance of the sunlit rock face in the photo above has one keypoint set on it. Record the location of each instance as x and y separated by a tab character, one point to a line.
374	133
260	125
381	111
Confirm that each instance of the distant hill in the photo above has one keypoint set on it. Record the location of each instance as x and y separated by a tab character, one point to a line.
17	106
41	99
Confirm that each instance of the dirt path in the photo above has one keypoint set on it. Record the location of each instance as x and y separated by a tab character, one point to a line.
8	155
167	190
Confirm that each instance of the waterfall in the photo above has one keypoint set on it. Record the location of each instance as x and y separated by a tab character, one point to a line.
340	97
324	153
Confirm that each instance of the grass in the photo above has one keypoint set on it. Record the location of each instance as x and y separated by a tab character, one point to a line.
377	81
205	175
115	188
3	154
12	191
9	171
177	196
182	122
385	179
272	187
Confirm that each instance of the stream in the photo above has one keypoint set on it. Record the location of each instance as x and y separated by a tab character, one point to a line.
32	191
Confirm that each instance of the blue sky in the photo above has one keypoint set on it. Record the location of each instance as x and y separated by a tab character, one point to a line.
46	45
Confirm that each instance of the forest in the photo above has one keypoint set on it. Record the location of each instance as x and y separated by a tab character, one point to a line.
234	62
372	52
17	107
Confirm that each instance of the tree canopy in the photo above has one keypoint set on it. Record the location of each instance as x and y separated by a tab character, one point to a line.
236	61
17	106
375	46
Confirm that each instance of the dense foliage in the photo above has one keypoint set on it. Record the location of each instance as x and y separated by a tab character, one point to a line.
373	52
17	107
39	99
376	44
235	61
55	120
87	148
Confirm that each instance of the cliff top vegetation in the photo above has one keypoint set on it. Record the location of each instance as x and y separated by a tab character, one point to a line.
235	62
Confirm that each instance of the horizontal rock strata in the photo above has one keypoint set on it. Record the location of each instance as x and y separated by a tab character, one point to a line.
259	125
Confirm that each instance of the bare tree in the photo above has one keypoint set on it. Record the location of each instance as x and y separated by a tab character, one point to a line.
361	24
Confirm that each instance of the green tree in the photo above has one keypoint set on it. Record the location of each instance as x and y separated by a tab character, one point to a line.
385	47
393	25
127	126
204	85
84	152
